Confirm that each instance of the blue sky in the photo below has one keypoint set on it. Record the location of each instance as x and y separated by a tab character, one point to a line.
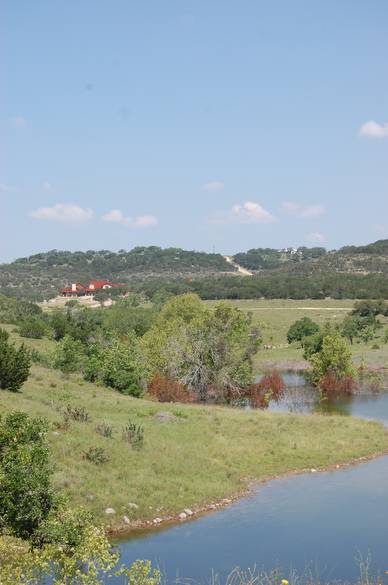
225	124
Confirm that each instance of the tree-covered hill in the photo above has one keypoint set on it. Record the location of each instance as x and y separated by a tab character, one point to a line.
288	273
372	258
41	275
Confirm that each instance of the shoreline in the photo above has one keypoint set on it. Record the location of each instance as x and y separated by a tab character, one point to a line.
137	527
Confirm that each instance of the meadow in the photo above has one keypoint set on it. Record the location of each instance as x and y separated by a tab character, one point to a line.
193	456
274	318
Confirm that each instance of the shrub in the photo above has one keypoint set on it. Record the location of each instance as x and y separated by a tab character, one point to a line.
96	455
77	413
33	328
105	430
122	367
134	435
301	328
331	383
166	390
270	387
14	364
26	497
68	355
334	359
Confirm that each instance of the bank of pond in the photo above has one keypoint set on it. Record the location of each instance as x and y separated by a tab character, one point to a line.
323	522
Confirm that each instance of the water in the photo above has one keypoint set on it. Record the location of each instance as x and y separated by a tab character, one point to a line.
323	521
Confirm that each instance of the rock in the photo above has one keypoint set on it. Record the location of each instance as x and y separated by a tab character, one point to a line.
182	516
55	433
133	506
188	512
165	417
157	520
313	470
226	501
212	507
337	466
89	497
110	511
126	520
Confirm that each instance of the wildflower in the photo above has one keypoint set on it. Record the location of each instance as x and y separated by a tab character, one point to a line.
284	582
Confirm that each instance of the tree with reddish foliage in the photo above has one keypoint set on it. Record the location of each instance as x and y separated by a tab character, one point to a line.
270	387
166	390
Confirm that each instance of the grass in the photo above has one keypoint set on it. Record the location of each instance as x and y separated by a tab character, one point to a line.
201	455
275	317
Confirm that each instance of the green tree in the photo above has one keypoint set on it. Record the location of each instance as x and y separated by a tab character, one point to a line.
26	496
202	348
334	358
33	328
15	364
68	355
301	328
123	367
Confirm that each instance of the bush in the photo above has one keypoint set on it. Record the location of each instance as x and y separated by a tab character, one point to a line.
26	497
105	430
301	328
33	328
14	364
270	387
134	435
68	355
331	383
122	367
333	360
96	455
166	390
77	413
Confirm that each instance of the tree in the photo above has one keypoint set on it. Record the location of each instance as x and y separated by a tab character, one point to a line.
206	350
15	364
68	355
334	358
123	367
301	328
355	326
370	308
26	497
33	328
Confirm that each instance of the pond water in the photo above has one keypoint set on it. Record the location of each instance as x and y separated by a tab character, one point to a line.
321	521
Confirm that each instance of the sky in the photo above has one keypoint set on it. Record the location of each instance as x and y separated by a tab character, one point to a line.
204	124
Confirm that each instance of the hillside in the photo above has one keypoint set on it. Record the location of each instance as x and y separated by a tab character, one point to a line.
372	258
41	275
343	273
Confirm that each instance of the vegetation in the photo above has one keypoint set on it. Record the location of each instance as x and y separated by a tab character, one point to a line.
14	364
302	328
333	362
313	273
181	443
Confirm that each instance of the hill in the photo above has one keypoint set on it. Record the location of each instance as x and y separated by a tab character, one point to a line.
371	258
41	275
350	272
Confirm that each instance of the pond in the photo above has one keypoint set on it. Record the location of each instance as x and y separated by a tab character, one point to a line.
321	521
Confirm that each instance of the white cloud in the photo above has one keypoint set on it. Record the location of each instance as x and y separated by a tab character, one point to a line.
214	186
18	121
142	221
315	237
248	212
312	211
304	211
63	213
373	129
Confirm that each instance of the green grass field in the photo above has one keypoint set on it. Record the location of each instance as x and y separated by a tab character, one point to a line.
275	317
201	455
